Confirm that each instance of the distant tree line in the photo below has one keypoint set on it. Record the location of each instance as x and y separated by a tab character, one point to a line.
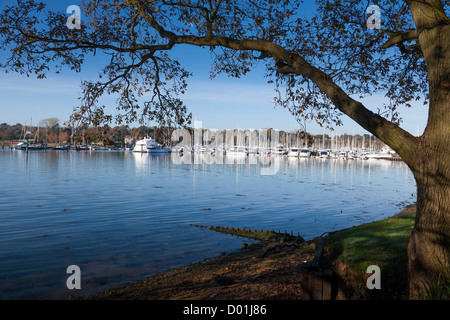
51	131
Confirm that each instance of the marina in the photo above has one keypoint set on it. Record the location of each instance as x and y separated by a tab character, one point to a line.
262	142
149	145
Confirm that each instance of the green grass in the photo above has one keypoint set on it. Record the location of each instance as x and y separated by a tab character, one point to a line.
383	243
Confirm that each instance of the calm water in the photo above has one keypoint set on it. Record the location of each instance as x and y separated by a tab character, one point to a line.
121	216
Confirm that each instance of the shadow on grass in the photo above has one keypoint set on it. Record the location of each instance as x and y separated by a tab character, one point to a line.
383	243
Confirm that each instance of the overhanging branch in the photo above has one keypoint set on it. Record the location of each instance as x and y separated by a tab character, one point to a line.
289	62
397	37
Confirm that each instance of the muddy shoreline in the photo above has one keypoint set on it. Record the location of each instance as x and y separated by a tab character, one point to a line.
270	269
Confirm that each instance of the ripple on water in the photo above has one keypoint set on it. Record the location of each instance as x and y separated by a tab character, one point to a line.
120	216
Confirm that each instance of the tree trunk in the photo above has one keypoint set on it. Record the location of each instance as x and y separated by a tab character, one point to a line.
429	242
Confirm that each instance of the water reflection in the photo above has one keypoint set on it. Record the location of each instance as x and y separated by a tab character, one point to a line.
265	165
122	215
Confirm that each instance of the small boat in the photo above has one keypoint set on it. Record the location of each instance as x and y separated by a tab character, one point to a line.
81	147
41	146
351	155
20	145
280	150
293	152
23	146
93	147
304	153
66	147
324	154
363	156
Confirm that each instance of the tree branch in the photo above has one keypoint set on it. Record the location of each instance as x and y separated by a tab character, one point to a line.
397	37
287	62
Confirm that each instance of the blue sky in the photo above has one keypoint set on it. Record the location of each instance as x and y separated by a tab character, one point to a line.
221	103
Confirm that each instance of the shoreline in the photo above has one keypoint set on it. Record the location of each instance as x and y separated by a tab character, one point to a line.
270	269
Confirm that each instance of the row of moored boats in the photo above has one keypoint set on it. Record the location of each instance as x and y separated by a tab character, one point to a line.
43	146
149	145
280	150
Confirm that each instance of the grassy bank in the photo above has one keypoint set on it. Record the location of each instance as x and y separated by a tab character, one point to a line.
351	251
383	243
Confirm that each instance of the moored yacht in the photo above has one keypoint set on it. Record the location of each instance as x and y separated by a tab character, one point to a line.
81	147
149	145
304	153
61	147
280	150
294	152
323	154
24	146
20	145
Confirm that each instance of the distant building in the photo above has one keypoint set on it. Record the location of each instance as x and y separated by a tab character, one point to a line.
130	141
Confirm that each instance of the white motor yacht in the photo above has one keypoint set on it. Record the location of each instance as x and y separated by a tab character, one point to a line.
304	153
294	152
149	145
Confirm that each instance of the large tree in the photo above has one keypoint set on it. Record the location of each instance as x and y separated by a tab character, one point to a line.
319	63
50	125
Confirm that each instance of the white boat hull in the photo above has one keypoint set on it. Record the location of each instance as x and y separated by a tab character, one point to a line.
150	146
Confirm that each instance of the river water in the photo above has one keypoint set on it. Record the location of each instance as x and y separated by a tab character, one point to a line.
121	216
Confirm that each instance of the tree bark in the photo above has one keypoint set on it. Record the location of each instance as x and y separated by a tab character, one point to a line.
428	249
